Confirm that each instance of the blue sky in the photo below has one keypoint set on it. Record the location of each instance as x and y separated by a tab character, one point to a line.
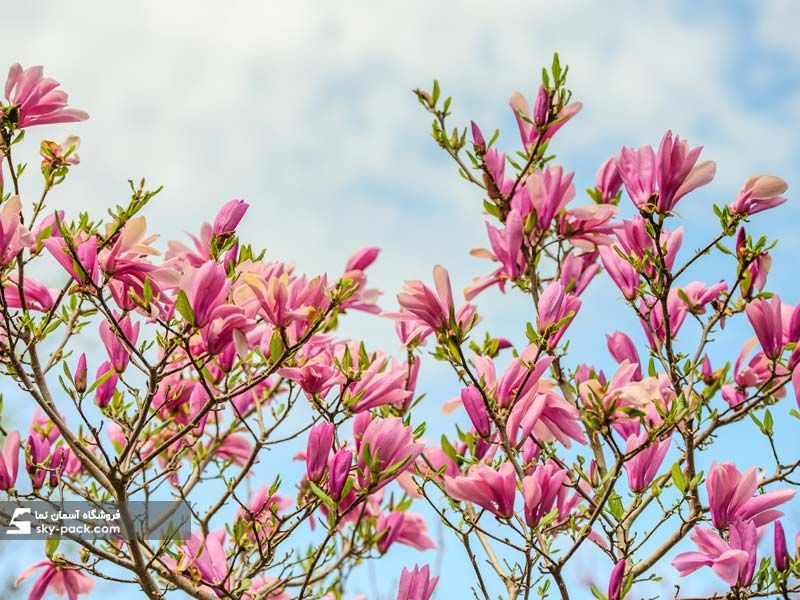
305	111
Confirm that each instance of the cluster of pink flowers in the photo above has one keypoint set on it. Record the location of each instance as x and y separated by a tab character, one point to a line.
207	347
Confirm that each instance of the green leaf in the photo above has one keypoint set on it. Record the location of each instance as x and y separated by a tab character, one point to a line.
100	380
677	477
51	545
597	593
319	493
275	347
768	422
184	308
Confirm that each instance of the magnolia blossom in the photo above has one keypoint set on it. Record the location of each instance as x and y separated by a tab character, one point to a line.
36	99
426	311
14	236
60	578
9	461
416	584
643	467
539	125
491	489
760	192
732	560
556	309
665	177
390	447
406	528
731	496
608	181
545	490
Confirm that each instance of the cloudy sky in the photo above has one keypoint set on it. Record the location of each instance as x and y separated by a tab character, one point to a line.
305	111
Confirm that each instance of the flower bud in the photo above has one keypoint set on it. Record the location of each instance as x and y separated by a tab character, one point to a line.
229	216
779	545
320	441
616	580
79	377
476	409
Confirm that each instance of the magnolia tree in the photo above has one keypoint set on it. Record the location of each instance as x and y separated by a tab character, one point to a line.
211	350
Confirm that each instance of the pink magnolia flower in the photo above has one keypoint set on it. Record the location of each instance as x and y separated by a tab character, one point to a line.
666	177
60	578
506	249
634	241
496	165
796	384
622	348
262	512
760	267
589	226
751	374
696	295
379	385
65	153
284	301
779	546
9	461
119	351
521	376
43	426
476	409
577	271
621	271
732	560
555	306
339	472
419	303
14	236
235	448
417	584
760	192
546	417
206	555
316	372
766	318
608	181
655	328
37	296
491	489
643	467
391	449
532	125
206	289
227	325
407	528
83	270
731	496
36	98
105	391
616	580
546	193
362	259
320	442
229	216
545	490
363	299
37	459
